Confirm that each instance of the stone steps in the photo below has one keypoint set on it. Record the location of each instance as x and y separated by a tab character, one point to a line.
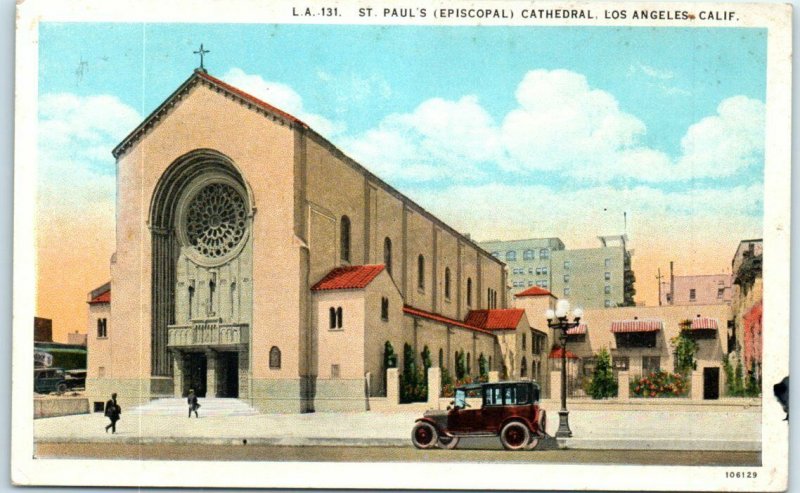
208	407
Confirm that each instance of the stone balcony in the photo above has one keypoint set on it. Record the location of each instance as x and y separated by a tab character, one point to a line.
207	333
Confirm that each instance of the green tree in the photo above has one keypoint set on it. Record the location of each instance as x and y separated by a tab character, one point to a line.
461	367
603	383
389	358
483	367
684	349
426	362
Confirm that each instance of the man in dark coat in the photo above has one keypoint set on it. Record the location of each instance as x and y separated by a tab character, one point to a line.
193	405
112	412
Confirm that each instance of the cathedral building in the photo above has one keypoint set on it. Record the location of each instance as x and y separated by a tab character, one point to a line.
255	260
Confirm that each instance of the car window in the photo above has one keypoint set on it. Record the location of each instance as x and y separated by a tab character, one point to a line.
493	396
510	395
460	399
523	394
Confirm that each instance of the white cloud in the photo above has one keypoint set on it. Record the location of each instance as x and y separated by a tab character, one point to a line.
651	72
75	139
439	138
562	125
283	97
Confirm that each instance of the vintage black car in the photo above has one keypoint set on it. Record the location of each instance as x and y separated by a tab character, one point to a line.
509	410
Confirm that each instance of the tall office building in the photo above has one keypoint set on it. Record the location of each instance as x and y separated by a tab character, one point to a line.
599	277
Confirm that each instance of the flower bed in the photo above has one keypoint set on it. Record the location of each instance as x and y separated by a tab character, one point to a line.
660	384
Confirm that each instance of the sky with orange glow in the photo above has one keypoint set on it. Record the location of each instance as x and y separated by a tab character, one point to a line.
504	133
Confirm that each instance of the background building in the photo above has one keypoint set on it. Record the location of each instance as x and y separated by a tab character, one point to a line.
42	329
599	277
748	295
697	290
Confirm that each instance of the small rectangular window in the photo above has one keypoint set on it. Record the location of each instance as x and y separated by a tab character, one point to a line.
607	304
621	363
334	371
607	289
101	371
720	293
608	263
608	276
567	264
566	291
566	277
385	309
692	295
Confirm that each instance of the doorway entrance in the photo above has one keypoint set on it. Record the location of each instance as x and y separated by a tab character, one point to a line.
711	383
228	374
195	366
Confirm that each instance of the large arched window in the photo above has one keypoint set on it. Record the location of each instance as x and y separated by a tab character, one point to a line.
469	364
469	291
274	358
441	358
387	254
523	368
344	238
421	272
447	283
339	323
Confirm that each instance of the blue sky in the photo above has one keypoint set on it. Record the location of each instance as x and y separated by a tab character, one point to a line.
503	132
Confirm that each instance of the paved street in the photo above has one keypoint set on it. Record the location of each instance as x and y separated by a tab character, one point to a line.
394	454
617	430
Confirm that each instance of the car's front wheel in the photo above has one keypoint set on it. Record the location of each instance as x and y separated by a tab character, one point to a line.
515	436
61	388
448	443
424	435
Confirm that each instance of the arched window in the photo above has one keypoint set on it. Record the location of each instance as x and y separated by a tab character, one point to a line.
523	368
384	308
274	358
387	254
332	313
511	256
469	364
339	324
344	237
447	283
421	272
490	363
528	255
212	288
441	358
233	299
469	291
191	301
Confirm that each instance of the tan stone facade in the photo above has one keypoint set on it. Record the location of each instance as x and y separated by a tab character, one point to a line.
187	316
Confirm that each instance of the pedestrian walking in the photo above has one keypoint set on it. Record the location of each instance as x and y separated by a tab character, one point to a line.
193	404
112	412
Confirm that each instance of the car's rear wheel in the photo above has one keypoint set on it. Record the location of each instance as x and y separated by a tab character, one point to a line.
424	435
515	436
61	388
448	443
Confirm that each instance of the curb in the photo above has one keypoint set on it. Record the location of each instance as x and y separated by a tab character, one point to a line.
569	443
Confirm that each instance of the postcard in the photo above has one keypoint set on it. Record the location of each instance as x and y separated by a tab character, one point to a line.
402	245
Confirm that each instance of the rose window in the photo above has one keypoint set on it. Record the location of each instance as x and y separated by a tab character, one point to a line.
215	220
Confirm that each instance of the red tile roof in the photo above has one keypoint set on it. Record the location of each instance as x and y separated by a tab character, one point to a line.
557	353
500	319
441	318
636	325
104	297
535	291
352	277
249	97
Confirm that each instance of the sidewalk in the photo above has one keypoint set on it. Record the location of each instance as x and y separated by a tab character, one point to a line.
621	430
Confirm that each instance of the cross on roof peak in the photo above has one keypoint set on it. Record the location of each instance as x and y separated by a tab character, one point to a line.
202	53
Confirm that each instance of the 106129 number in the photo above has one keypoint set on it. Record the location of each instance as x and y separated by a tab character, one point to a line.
741	474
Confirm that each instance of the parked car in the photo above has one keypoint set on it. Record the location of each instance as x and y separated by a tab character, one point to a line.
76	379
46	380
509	410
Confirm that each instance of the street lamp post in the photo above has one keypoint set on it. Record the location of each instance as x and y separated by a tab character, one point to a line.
558	319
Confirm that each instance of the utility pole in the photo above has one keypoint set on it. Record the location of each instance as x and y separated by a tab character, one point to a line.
659	277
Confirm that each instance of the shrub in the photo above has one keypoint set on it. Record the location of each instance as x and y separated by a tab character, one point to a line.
483	366
603	383
660	384
684	349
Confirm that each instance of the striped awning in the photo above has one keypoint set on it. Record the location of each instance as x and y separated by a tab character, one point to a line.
704	323
577	331
636	325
